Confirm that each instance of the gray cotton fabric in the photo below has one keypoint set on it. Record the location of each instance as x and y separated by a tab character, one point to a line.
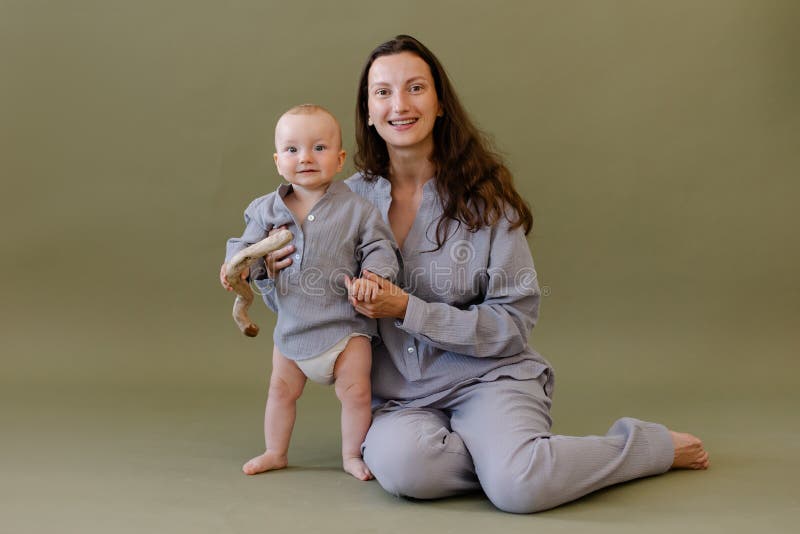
341	235
471	307
461	402
495	436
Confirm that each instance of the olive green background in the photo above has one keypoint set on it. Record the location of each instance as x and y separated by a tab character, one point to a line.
658	143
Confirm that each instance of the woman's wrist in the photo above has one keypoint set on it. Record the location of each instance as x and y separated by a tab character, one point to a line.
403	306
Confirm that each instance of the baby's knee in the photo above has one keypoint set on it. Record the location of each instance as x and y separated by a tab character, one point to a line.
282	391
356	392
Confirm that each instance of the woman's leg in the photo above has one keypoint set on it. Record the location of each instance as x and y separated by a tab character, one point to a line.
523	468
413	453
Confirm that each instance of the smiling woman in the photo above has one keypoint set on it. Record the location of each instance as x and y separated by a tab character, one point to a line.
403	81
462	402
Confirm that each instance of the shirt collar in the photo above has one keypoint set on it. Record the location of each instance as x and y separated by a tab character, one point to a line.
337	186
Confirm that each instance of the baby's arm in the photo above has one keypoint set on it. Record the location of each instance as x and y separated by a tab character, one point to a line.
376	250
224	281
233	273
362	290
256	229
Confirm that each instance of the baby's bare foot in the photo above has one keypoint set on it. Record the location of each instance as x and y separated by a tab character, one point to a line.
265	462
356	467
689	452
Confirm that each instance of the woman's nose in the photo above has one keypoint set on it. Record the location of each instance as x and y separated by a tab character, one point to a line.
400	103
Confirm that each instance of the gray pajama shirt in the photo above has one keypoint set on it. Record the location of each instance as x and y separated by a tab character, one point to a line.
341	235
461	401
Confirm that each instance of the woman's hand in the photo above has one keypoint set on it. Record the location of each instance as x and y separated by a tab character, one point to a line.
388	301
277	260
224	281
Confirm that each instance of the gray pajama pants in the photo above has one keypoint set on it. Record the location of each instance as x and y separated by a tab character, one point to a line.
495	436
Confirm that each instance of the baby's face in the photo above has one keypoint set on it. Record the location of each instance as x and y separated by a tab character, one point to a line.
309	149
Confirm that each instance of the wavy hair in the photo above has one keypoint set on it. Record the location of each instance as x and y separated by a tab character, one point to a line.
475	186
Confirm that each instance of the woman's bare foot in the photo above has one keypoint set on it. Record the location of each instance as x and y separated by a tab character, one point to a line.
689	452
357	468
268	461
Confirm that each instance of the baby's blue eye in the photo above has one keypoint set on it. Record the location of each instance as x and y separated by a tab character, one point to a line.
319	148
291	149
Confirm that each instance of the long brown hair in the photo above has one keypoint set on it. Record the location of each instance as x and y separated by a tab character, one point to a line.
474	184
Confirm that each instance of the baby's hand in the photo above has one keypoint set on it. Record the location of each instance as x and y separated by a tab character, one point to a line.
224	281
363	290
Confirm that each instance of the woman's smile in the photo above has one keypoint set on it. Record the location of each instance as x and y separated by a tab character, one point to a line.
402	122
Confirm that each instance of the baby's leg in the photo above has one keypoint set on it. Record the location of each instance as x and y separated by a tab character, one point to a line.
285	386
353	389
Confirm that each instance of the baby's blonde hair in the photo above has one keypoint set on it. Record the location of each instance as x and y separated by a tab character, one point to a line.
306	109
310	109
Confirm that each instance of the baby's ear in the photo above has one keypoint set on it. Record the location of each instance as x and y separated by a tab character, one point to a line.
342	157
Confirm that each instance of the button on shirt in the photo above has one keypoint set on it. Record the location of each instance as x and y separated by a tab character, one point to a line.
472	305
343	235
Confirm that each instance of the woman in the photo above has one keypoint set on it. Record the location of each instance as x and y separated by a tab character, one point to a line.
461	402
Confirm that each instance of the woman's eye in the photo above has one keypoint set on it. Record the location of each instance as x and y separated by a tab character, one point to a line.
415	88
382	92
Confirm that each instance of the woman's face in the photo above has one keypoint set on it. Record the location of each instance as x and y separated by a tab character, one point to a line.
402	101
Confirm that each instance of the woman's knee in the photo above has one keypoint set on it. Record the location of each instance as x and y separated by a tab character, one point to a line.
519	485
413	460
511	493
509	496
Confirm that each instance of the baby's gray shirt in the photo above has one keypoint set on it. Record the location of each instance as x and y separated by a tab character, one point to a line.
343	234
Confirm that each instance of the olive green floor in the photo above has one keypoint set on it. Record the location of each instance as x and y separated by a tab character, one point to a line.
121	456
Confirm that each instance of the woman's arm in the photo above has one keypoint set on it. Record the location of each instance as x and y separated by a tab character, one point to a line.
497	326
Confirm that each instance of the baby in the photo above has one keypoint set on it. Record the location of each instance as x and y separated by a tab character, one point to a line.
318	334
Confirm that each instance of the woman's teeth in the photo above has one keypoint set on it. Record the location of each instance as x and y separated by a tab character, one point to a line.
403	122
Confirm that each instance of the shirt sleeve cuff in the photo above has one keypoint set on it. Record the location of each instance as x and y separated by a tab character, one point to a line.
416	314
232	248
